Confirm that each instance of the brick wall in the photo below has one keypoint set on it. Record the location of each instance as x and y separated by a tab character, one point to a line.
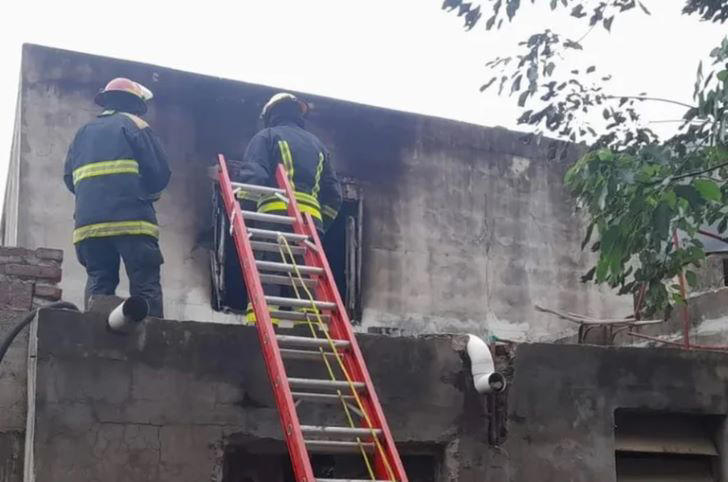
28	278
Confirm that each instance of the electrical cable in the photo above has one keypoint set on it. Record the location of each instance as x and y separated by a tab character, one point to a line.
25	321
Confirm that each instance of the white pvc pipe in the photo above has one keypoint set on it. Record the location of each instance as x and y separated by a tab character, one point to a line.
485	378
128	314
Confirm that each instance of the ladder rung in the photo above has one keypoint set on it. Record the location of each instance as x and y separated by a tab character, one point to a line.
290	354
274	248
319	383
276	279
287	268
271	218
304	341
346	431
336	446
321	397
256	189
270	234
299	303
299	316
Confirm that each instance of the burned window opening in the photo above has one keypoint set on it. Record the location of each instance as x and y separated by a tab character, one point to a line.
666	446
342	244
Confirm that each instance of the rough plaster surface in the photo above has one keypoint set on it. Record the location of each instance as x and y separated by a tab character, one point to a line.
165	403
466	227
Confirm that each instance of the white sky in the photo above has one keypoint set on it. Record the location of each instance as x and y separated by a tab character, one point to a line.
402	54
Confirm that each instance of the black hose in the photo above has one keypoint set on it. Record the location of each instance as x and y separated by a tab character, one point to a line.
25	321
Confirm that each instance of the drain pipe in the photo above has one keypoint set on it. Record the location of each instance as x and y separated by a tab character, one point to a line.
127	316
485	378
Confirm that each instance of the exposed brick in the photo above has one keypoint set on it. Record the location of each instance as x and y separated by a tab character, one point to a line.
48	292
49	254
11	255
52	273
15	295
14	251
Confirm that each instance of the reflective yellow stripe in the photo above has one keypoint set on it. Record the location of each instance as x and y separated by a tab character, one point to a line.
118	228
329	212
250	317
246	195
317	179
287	160
105	168
281	206
301	197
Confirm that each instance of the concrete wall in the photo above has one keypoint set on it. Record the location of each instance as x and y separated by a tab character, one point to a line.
166	404
465	227
27	279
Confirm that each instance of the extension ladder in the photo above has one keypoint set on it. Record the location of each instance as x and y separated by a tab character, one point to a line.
318	305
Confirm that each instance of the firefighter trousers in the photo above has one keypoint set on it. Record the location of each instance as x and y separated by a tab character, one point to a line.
142	260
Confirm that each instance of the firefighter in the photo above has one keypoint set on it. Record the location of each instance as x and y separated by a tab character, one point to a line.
117	168
284	140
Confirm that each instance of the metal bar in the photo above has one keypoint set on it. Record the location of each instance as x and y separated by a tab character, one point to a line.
309	342
269	234
269	218
273	247
299	303
291	354
321	397
255	188
720	348
299	316
346	431
336	446
320	383
287	268
276	279
271	354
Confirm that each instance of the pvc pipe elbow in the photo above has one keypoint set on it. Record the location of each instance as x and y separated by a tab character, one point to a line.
485	378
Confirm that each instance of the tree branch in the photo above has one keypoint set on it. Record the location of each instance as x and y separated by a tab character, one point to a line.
702	171
656	99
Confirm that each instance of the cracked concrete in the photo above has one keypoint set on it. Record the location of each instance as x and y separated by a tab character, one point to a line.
196	393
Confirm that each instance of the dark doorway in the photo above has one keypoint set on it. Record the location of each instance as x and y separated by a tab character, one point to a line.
241	465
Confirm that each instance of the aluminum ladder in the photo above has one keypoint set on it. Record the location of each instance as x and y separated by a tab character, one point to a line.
332	340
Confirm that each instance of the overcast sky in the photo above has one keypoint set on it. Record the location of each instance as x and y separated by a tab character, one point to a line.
401	54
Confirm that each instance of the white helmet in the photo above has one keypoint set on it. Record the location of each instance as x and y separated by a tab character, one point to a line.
282	97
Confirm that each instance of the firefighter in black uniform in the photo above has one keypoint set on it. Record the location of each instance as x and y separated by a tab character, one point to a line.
117	168
306	161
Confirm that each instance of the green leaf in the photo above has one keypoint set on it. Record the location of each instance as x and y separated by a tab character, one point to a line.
670	198
690	194
607	22
691	277
708	189
605	155
487	84
522	98
722	75
661	220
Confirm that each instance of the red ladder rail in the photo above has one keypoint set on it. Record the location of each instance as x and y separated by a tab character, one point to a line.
266	335
387	463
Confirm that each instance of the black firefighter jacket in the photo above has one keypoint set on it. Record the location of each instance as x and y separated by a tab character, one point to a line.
117	168
307	163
